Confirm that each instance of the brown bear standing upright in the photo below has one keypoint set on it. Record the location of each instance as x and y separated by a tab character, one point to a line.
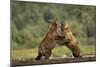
71	41
48	43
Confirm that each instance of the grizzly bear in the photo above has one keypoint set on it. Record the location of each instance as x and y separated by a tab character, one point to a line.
48	43
70	41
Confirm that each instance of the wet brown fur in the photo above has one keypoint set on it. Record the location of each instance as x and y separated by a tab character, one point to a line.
48	43
71	42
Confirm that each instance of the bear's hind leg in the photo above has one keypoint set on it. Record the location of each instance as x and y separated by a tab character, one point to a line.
39	56
76	53
47	54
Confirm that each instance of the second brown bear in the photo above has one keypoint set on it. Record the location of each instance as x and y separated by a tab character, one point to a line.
70	41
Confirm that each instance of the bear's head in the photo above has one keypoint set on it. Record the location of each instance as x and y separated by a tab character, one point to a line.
52	25
64	27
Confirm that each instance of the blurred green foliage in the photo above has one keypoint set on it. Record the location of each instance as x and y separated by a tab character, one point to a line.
29	22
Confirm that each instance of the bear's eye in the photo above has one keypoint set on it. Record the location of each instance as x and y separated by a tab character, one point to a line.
62	28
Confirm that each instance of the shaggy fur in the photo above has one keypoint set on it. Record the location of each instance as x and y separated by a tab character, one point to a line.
70	41
48	43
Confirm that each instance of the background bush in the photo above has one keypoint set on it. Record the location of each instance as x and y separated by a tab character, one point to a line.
29	22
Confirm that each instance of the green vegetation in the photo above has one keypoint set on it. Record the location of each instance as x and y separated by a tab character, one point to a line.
29	25
57	52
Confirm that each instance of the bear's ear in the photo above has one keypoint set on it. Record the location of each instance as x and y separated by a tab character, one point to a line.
62	23
52	20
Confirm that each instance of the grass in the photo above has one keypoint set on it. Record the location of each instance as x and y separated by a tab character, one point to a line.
88	49
60	51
